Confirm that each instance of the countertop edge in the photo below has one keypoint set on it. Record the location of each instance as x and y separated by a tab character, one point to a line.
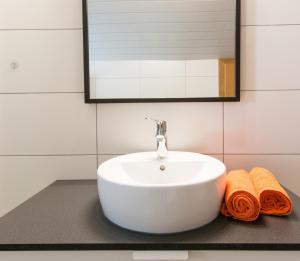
149	247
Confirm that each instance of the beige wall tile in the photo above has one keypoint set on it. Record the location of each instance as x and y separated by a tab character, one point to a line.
202	87
46	60
284	167
40	14
117	88
163	87
263	123
270	57
44	124
160	68
196	68
197	127
22	177
270	12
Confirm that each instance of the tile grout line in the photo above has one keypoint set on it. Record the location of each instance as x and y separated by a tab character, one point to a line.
14	93
44	155
223	112
263	154
149	77
140	78
81	28
185	78
267	25
41	29
118	154
272	90
32	93
97	135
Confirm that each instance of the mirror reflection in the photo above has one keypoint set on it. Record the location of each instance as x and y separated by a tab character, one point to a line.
157	49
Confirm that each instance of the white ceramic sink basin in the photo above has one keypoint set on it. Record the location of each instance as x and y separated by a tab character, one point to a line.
141	193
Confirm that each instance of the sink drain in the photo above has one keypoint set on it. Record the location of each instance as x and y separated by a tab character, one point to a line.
162	167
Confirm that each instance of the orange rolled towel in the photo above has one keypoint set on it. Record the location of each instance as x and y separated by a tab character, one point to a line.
273	198
241	199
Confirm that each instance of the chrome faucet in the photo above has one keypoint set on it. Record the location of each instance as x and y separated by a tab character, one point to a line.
161	138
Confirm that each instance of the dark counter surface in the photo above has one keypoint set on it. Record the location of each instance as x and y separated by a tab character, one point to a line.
67	216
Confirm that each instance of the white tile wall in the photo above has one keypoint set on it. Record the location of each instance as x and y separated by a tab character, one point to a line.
285	167
263	129
47	61
102	157
264	122
23	176
43	124
268	49
197	87
173	87
270	12
155	79
122	128
117	88
163	69
117	69
206	68
40	14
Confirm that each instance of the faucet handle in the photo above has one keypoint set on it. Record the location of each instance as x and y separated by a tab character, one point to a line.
161	126
156	121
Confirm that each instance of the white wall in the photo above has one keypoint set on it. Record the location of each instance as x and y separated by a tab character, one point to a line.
154	78
48	133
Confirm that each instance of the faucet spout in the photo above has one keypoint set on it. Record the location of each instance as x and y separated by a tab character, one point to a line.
162	151
161	138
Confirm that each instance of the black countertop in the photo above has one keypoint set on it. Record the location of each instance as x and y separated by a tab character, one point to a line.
67	216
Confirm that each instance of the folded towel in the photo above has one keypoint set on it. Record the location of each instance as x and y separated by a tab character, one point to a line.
224	210
241	199
273	198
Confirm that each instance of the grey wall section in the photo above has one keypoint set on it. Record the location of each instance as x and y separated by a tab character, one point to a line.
127	255
48	133
165	29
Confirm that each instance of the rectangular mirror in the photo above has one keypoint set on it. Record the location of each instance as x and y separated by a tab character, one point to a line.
161	50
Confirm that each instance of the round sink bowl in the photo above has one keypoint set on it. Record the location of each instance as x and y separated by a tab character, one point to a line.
141	193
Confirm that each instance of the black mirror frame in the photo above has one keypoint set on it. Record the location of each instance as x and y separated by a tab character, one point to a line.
150	100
